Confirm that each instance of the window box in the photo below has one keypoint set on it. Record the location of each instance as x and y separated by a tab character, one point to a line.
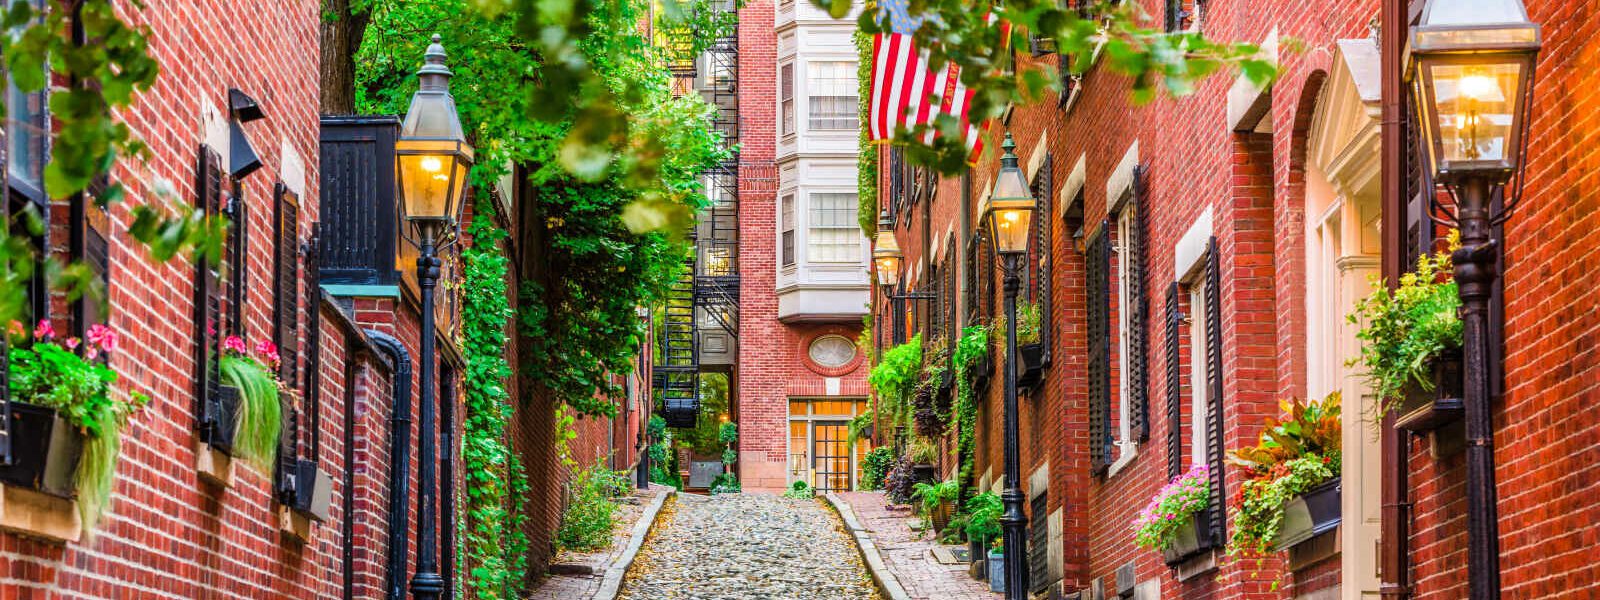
1306	516
44	451
224	425
1422	411
308	491
1030	364
1191	541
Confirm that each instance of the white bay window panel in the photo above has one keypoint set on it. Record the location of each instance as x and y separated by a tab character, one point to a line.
786	229
786	98
832	97
833	234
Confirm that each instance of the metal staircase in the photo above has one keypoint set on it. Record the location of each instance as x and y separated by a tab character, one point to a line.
710	286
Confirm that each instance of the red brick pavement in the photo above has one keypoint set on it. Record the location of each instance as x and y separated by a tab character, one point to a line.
909	557
584	587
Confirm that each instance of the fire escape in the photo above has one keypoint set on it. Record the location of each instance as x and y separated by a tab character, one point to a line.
701	317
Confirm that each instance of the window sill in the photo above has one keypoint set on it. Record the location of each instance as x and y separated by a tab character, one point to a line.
39	515
294	525
213	465
1130	451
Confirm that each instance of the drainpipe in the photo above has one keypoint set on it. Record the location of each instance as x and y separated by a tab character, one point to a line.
447	477
399	464
1394	560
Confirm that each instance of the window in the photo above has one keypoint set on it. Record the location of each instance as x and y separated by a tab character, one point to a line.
1183	15
1198	365
833	235
831	89
832	351
786	98
786	230
1124	410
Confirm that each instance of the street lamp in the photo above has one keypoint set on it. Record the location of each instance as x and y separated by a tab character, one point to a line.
1007	216
1471	62
887	260
432	157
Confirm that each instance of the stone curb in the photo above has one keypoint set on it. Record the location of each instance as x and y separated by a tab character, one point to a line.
612	584
869	551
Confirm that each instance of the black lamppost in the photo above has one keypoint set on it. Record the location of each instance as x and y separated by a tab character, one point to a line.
1008	216
1471	63
887	260
432	157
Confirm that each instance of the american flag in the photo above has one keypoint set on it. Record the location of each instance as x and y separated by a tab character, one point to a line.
906	92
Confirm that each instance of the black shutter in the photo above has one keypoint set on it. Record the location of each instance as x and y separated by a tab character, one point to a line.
238	265
286	281
208	323
356	206
1174	385
1097	297
313	323
1039	542
1043	227
1138	359
1213	300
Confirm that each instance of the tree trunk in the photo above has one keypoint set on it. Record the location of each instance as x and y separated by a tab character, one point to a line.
342	32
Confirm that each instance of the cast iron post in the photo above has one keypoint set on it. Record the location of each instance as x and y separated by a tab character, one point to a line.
1013	521
426	584
1475	275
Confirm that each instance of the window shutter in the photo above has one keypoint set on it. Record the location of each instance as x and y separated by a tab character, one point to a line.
1038	542
1098	299
1174	385
238	267
972	281
1043	228
313	323
286	281
1214	380
208	323
1138	359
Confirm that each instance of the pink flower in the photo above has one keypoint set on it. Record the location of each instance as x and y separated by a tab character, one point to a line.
266	349
102	337
72	343
15	329
233	344
44	330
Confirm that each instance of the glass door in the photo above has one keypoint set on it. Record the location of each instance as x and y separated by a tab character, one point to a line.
830	456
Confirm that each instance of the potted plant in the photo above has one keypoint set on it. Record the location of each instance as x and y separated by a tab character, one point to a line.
1175	521
1411	345
923	455
728	434
1030	350
66	424
982	524
997	565
899	482
1292	491
259	419
935	500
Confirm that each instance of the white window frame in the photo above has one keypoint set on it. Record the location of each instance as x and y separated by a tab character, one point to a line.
812	226
1199	366
1127	447
811	92
787	217
786	99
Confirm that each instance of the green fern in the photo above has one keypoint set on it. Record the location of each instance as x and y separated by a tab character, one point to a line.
260	416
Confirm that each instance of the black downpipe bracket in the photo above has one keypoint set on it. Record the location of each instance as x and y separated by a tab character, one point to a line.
399	465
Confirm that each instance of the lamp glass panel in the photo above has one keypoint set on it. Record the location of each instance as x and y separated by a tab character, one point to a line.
425	182
1474	12
1475	107
888	268
1011	226
1011	185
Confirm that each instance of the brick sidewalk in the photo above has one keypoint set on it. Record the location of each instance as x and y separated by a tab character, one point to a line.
584	586
911	559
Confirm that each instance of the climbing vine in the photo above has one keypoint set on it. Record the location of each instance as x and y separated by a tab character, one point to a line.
493	545
867	162
970	350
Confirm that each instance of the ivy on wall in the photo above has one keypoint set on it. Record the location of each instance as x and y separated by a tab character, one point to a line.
867	162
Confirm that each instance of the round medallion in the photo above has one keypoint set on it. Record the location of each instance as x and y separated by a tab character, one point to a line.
832	351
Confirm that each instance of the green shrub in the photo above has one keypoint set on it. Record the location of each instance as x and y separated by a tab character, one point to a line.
875	466
725	483
728	434
800	490
730	456
1404	331
983	516
587	522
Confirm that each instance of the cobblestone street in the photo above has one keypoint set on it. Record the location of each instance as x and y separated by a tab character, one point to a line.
748	546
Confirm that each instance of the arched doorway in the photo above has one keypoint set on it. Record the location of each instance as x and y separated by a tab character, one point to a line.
1342	215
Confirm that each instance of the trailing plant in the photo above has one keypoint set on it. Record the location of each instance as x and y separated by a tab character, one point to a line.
590	515
897	485
970	350
1172	508
894	379
860	427
983	516
931	495
260	416
926	415
922	451
800	490
1295	453
79	388
1404	331
875	467
867	160
494	549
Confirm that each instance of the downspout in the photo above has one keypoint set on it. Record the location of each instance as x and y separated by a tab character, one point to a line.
399	464
447	478
1395	536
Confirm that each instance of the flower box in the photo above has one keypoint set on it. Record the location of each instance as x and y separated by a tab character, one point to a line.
1423	411
224	426
982	371
1030	364
1191	540
1308	515
44	451
309	491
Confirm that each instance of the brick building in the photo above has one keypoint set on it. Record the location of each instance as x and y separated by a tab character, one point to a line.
313	261
1195	260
